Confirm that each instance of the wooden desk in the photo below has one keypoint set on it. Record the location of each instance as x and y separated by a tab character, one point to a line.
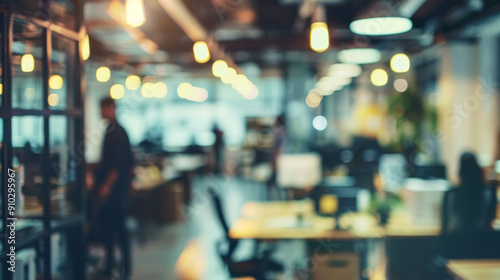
279	220
475	269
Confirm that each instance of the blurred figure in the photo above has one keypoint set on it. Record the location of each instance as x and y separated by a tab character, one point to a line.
113	178
468	213
466	219
470	173
279	129
218	149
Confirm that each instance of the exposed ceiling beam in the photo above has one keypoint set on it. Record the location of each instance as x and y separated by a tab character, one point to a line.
116	10
178	11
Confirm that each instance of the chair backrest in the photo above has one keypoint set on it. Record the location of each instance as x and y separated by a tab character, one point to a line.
468	210
218	210
230	243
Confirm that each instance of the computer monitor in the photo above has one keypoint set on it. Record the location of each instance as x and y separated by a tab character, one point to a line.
298	170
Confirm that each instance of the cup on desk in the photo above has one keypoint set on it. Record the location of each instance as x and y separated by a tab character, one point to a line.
329	204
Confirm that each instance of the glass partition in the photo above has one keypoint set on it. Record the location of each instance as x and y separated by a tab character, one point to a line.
63	162
61	85
27	144
27	79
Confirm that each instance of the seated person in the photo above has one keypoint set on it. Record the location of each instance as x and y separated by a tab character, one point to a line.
467	214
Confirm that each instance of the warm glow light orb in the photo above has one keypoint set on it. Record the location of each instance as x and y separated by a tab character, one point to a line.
254	92
320	38
134	12
103	74
184	90
116	91
56	82
27	63
219	68
133	82
400	63
201	53
346	70
379	77
53	99
85	47
229	77
401	85
160	90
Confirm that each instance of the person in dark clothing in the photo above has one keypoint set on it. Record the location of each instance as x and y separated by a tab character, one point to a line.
279	129
112	184
218	149
470	173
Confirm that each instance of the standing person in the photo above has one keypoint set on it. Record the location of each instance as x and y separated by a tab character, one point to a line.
279	129
112	185
218	150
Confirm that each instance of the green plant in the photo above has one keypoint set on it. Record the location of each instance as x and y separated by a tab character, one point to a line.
408	111
384	203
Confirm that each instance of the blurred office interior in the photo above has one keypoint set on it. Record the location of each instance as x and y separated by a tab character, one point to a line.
271	139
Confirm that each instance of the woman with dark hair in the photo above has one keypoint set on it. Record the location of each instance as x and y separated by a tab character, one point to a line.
467	214
470	173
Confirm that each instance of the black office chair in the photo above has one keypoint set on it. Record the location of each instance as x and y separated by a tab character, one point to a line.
466	232
467	215
255	267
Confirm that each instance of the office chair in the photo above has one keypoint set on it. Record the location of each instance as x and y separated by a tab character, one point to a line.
255	267
466	232
467	215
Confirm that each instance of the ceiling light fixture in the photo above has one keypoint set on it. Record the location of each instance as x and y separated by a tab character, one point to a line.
319	37
400	63
201	53
135	13
359	56
344	70
381	19
379	77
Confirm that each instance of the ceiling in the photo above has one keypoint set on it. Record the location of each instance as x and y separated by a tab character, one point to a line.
262	31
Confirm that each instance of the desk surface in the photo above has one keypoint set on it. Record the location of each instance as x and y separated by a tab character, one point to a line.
475	269
297	220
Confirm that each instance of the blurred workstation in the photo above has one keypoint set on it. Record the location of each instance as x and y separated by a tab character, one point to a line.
249	139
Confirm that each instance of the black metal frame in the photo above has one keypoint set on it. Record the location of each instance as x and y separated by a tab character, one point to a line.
73	226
